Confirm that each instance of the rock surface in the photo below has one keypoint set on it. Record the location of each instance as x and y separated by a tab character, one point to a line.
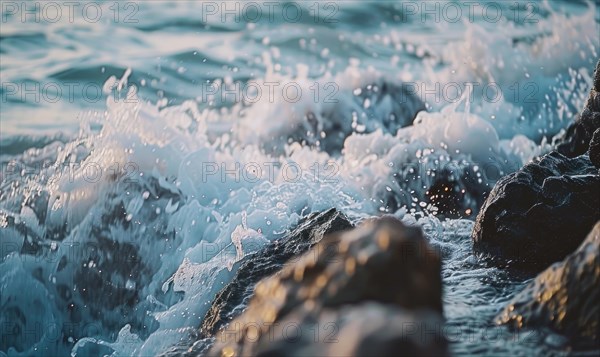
234	297
372	290
564	297
595	149
540	214
578	136
374	105
390	108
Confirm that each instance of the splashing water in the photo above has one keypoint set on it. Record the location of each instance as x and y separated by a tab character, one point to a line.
124	230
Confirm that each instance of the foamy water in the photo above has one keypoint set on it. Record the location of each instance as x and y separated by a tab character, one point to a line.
122	218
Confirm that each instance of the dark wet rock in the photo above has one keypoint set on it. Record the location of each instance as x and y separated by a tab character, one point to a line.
381	105
597	78
564	297
364	329
576	140
372	290
98	278
378	106
595	149
540	214
99	270
457	191
230	301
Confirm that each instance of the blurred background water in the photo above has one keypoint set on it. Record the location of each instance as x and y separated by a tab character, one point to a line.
59	57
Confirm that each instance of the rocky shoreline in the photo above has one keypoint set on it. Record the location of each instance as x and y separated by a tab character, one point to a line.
358	291
564	297
539	214
361	287
546	217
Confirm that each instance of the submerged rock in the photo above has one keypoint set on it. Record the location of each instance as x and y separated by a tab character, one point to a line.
564	297
379	105
576	140
372	290
540	214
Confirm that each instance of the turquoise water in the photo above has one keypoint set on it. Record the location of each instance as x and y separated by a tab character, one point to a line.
59	66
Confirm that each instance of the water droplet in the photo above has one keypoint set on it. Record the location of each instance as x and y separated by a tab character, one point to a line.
367	103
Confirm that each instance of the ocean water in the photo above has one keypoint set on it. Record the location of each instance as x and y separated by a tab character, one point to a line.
146	148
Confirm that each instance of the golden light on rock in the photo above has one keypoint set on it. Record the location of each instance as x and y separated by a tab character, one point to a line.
270	314
228	352
298	273
350	266
321	281
383	240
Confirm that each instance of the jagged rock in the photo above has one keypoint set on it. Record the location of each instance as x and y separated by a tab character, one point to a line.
364	329
371	289
379	105
576	140
540	214
564	297
390	107
234	297
595	149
